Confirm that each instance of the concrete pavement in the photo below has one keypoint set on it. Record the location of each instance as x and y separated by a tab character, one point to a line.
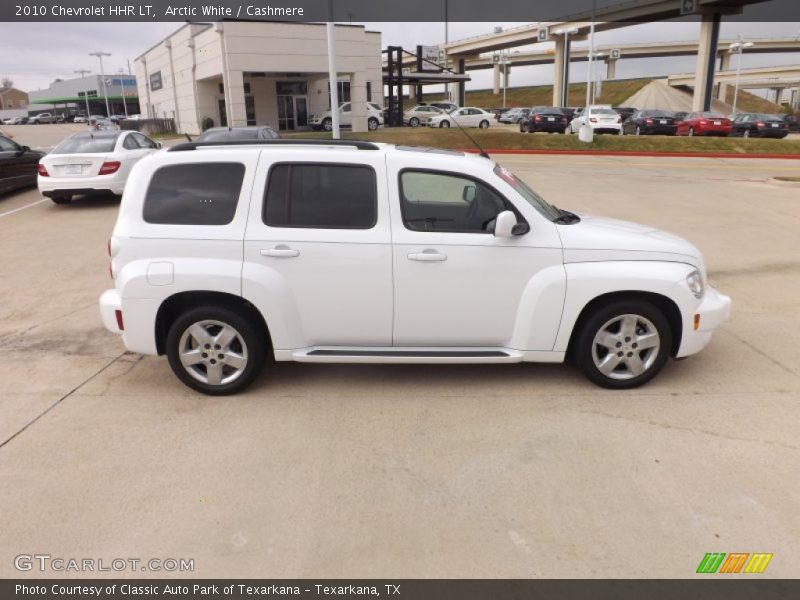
413	471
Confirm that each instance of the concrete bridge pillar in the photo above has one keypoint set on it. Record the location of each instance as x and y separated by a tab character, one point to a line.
706	61
496	73
561	72
611	68
724	65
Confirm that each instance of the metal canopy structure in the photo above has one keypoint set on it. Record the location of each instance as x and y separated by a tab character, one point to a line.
396	75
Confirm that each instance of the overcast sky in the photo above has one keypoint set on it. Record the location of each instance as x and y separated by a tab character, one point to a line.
34	54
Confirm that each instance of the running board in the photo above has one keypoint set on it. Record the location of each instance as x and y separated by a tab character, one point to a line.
406	355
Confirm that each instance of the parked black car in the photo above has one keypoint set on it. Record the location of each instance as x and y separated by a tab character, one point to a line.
679	116
18	165
759	125
226	134
544	118
650	122
792	121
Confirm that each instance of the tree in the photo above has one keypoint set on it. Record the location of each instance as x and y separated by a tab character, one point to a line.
6	82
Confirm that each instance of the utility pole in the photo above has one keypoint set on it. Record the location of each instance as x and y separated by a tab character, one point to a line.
100	55
332	75
83	73
122	85
738	48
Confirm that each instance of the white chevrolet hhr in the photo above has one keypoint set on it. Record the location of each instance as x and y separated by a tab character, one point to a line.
225	254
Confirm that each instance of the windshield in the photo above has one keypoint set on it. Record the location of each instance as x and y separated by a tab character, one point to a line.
86	145
656	113
603	111
535	200
711	115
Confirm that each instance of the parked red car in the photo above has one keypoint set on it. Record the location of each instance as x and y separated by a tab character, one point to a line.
704	123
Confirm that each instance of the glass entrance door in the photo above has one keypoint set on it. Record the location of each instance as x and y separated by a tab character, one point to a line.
292	112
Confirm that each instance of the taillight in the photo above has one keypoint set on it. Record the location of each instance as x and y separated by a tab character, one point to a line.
592	120
649	121
703	122
109	167
120	324
537	118
761	124
563	119
42	170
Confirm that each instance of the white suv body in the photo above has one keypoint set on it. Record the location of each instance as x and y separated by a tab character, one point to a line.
373	253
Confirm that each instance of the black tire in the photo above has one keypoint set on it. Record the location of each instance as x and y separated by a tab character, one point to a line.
327	124
413	122
372	123
249	332
652	359
444	124
483	124
61	199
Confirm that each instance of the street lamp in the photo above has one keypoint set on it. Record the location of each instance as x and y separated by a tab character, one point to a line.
505	62
565	67
595	56
122	85
738	48
83	73
100	55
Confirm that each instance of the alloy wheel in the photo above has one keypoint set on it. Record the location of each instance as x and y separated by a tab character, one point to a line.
213	352
625	346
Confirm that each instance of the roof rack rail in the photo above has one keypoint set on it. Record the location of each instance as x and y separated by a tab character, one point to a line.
282	142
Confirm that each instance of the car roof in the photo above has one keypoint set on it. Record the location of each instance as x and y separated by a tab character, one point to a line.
99	134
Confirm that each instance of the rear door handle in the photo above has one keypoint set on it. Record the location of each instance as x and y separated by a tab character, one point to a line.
427	256
281	251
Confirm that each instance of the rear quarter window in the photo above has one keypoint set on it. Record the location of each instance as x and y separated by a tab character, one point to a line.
194	194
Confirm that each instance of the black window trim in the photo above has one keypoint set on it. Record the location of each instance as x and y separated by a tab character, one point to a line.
183	164
288	192
401	196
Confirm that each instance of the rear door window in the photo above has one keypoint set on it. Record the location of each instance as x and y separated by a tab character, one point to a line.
194	194
321	196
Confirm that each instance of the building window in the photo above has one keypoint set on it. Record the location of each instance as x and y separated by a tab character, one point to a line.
155	81
291	88
369	91
321	196
344	92
246	87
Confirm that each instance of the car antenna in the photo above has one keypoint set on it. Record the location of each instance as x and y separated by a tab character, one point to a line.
481	151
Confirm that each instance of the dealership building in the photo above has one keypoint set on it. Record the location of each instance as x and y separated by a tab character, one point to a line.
71	96
241	73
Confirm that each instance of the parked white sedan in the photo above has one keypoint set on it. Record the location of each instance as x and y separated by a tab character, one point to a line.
602	119
420	115
468	116
92	162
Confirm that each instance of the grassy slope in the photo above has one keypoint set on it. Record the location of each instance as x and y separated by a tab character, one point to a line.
613	92
495	138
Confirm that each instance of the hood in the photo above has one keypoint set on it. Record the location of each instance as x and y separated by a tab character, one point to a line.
600	238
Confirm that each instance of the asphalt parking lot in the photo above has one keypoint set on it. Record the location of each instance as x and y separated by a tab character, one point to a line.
413	471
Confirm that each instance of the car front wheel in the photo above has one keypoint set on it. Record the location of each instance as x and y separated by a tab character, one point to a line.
327	125
215	350
372	124
444	124
414	122
484	124
624	344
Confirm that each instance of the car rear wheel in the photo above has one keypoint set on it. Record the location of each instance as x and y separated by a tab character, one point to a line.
624	344
484	124
372	123
215	350
327	124
414	122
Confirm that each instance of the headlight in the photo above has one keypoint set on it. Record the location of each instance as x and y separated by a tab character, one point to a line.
695	282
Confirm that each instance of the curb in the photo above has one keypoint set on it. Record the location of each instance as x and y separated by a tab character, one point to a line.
633	153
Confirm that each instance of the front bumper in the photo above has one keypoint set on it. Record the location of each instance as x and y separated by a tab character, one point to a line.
713	311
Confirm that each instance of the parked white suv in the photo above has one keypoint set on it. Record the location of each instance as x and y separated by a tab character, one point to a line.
319	251
324	120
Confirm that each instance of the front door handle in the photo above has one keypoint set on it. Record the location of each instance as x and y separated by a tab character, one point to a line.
427	256
281	251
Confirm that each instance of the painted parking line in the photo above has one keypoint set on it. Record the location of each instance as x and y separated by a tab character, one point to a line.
11	212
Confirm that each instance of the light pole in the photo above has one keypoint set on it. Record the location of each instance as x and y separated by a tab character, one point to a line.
505	62
122	85
100	55
332	75
738	48
83	73
565	66
596	56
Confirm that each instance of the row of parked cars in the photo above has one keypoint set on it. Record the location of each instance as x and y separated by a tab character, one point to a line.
631	121
46	117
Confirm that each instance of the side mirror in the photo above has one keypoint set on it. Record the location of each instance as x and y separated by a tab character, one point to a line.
468	193
504	224
160	145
